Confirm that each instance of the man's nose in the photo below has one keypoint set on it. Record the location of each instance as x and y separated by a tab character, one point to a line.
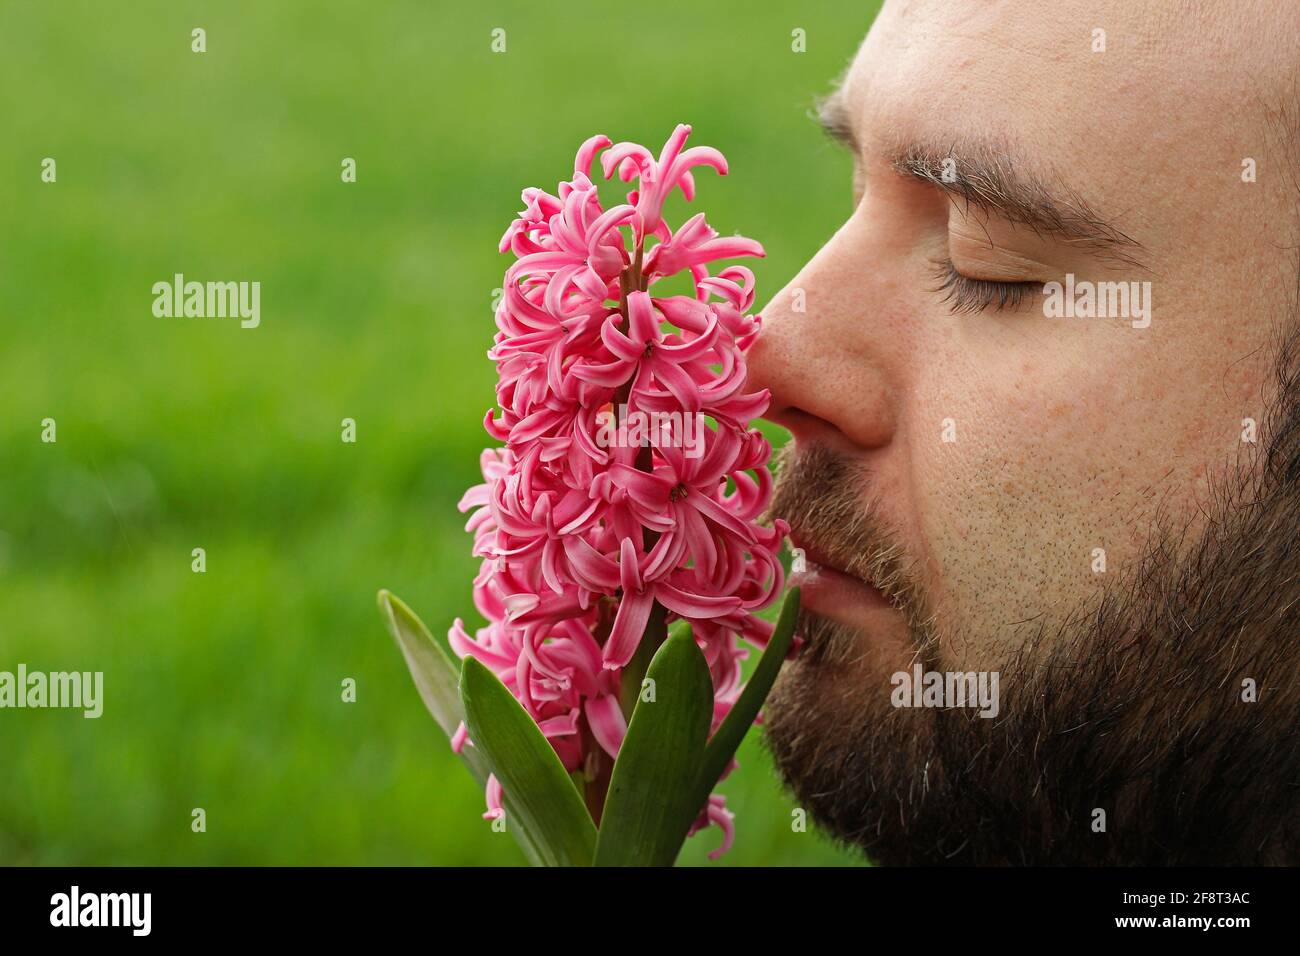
825	350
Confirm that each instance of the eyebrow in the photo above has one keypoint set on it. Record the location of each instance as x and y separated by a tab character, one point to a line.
983	173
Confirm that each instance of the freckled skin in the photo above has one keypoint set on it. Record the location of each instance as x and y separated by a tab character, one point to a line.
1071	434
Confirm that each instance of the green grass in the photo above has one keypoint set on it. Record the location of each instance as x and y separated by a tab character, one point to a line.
222	690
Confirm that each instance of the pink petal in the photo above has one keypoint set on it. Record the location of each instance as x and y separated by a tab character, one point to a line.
606	721
692	605
629	626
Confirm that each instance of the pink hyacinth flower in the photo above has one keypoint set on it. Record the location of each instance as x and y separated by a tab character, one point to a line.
580	538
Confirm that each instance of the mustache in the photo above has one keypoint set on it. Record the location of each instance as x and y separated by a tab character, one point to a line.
825	498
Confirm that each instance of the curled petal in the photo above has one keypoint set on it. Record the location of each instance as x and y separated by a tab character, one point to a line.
629	625
587	151
693	605
607	723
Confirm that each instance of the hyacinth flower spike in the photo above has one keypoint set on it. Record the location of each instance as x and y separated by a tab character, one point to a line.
621	582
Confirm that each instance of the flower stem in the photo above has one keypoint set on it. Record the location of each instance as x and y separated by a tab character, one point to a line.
656	630
599	767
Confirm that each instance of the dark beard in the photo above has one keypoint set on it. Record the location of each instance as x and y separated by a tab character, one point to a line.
1134	706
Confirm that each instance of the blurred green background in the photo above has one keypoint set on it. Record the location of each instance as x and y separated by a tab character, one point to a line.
222	689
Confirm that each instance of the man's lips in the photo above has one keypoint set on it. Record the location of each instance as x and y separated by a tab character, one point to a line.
827	589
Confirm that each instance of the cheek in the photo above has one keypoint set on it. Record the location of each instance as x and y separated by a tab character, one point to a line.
1030	479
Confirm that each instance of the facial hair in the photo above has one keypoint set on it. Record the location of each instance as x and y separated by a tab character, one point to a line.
1124	735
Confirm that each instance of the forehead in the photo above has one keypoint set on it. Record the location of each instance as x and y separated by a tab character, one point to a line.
1130	56
1118	113
1136	106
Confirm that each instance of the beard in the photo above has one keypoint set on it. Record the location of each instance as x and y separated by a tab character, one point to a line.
1134	705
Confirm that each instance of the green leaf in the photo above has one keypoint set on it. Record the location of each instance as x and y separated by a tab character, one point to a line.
436	674
437	677
680	627
634	671
741	717
650	806
544	800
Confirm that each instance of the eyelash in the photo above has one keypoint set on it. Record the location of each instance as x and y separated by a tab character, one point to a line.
967	296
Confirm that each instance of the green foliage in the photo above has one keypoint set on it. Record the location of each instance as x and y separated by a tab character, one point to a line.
546	805
651	793
222	689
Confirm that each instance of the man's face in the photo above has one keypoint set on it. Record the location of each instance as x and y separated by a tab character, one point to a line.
1031	490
